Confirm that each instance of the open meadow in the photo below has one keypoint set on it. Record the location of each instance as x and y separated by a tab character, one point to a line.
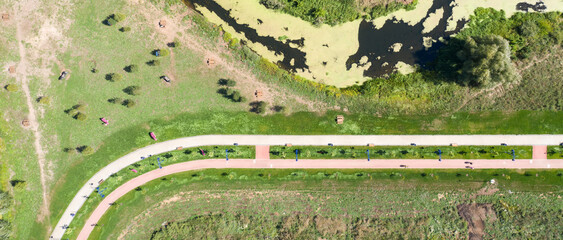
343	204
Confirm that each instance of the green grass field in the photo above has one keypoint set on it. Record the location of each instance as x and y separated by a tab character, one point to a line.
187	107
278	203
408	152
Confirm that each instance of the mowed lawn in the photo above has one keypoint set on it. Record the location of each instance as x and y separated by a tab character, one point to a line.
91	44
245	203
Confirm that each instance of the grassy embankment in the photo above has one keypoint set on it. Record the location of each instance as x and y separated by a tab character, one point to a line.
293	204
406	152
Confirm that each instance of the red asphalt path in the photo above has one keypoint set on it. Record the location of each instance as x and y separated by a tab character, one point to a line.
318	164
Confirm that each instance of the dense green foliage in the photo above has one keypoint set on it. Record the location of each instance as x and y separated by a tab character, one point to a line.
300	204
408	152
479	61
333	12
555	152
527	32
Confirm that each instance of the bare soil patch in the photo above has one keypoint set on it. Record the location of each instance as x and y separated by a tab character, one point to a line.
476	215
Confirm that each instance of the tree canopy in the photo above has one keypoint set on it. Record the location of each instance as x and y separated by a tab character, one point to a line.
479	61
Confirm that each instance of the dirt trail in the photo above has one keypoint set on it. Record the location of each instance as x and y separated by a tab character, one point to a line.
22	72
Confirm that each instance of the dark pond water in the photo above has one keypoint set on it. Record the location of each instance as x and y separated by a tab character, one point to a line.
373	43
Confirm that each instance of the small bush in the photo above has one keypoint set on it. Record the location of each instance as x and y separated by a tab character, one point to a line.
70	150
115	100
79	107
174	44
18	184
164	52
72	112
258	107
114	77
129	103
86	150
155	62
80	116
125	29
118	17
11	87
234	43
272	4
236	96
44	100
131	68
227	82
279	109
133	90
110	22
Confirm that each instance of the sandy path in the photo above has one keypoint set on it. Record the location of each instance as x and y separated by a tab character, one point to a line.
21	76
338	164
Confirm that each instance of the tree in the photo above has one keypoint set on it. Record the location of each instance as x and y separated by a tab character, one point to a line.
230	83
164	52
80	116
125	29
236	96
115	100
129	103
86	150
111	22
118	17
133	90
131	68
478	61
229	92
44	100
114	77
155	62
11	87
258	107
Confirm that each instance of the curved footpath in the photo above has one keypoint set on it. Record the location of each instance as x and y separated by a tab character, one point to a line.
339	164
358	140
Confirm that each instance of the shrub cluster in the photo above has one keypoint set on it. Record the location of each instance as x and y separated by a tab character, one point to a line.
77	112
129	103
232	94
